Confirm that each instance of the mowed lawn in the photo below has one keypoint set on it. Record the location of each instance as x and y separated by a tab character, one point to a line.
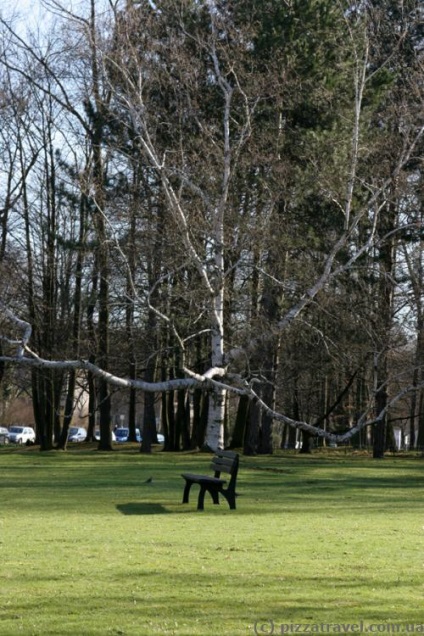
87	547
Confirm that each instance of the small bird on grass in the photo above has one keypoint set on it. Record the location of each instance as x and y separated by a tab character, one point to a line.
149	481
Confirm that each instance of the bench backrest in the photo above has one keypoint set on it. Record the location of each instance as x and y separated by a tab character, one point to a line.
226	462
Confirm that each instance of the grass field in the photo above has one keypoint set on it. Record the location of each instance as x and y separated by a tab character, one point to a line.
88	548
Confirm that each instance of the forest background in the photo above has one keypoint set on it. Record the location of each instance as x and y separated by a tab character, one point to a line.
211	213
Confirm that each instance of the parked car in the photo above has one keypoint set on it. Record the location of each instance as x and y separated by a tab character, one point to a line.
122	434
21	435
161	438
77	434
97	435
4	435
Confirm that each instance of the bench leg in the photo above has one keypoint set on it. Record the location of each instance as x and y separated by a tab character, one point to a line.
231	498
187	491
213	493
201	500
215	496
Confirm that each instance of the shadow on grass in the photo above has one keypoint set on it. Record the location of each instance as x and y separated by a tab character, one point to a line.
142	508
149	508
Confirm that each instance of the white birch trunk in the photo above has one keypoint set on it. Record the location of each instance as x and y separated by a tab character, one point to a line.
215	427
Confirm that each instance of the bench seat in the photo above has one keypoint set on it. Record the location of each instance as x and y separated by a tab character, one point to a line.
197	479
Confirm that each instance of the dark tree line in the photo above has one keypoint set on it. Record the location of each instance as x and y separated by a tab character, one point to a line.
224	201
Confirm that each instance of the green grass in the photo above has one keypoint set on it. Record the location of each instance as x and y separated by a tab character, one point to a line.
87	548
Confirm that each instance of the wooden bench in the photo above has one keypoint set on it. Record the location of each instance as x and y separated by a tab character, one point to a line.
223	461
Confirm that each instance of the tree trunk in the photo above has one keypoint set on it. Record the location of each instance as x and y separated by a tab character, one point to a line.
379	430
306	443
420	436
241	422
215	428
252	430
149	423
68	412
